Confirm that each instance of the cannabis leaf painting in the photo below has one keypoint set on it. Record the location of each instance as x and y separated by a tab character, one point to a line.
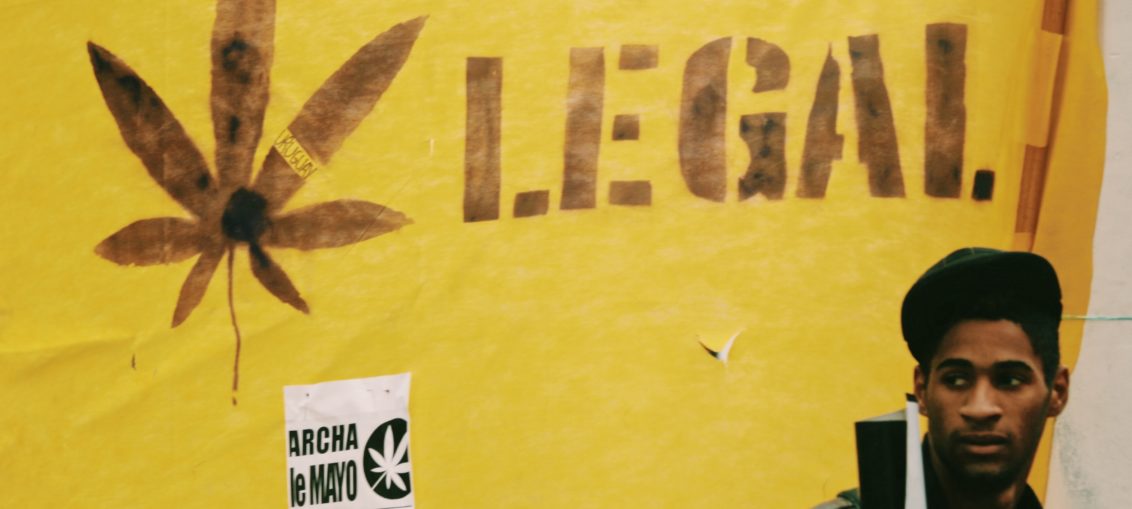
386	463
230	209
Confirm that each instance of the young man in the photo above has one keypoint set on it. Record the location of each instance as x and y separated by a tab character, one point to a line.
983	326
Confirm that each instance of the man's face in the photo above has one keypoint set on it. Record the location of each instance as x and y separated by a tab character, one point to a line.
986	402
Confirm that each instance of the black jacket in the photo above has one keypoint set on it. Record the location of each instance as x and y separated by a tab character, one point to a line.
851	499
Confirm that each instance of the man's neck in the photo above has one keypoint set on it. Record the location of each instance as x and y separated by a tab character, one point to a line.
1007	499
958	495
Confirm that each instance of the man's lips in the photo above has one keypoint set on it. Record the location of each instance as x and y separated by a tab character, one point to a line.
983	443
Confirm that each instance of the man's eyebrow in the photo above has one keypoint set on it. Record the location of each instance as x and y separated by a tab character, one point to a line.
955	363
1013	366
1009	365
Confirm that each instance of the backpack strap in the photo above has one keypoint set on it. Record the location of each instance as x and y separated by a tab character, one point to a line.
848	499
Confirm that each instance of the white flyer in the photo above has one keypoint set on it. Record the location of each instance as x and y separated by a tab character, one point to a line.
348	443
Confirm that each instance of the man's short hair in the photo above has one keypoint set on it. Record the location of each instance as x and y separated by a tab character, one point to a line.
1041	329
985	284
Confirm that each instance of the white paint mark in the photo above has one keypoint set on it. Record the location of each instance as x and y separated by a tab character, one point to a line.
723	353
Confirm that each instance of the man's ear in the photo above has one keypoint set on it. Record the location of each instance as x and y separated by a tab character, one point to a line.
1059	391
920	383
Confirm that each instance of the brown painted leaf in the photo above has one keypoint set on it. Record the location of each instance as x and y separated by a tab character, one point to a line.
152	241
276	181
274	279
192	291
333	224
336	109
153	133
242	51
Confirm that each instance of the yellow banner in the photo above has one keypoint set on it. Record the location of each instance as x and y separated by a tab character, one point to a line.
544	211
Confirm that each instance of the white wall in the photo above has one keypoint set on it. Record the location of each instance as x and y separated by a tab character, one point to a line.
1092	461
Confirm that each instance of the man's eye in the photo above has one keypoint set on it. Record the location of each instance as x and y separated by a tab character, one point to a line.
1010	380
955	380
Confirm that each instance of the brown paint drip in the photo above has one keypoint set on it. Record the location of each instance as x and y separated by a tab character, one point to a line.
626	127
152	241
703	116
637	57
584	102
242	52
765	135
152	132
772	65
531	203
877	145
630	192
484	82
235	326
336	109
945	126
823	144
332	224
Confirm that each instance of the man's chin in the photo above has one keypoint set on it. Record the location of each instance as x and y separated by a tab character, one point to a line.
991	477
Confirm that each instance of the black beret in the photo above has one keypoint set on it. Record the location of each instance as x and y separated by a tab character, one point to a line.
965	275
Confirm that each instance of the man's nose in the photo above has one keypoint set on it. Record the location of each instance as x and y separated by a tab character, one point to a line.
982	403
